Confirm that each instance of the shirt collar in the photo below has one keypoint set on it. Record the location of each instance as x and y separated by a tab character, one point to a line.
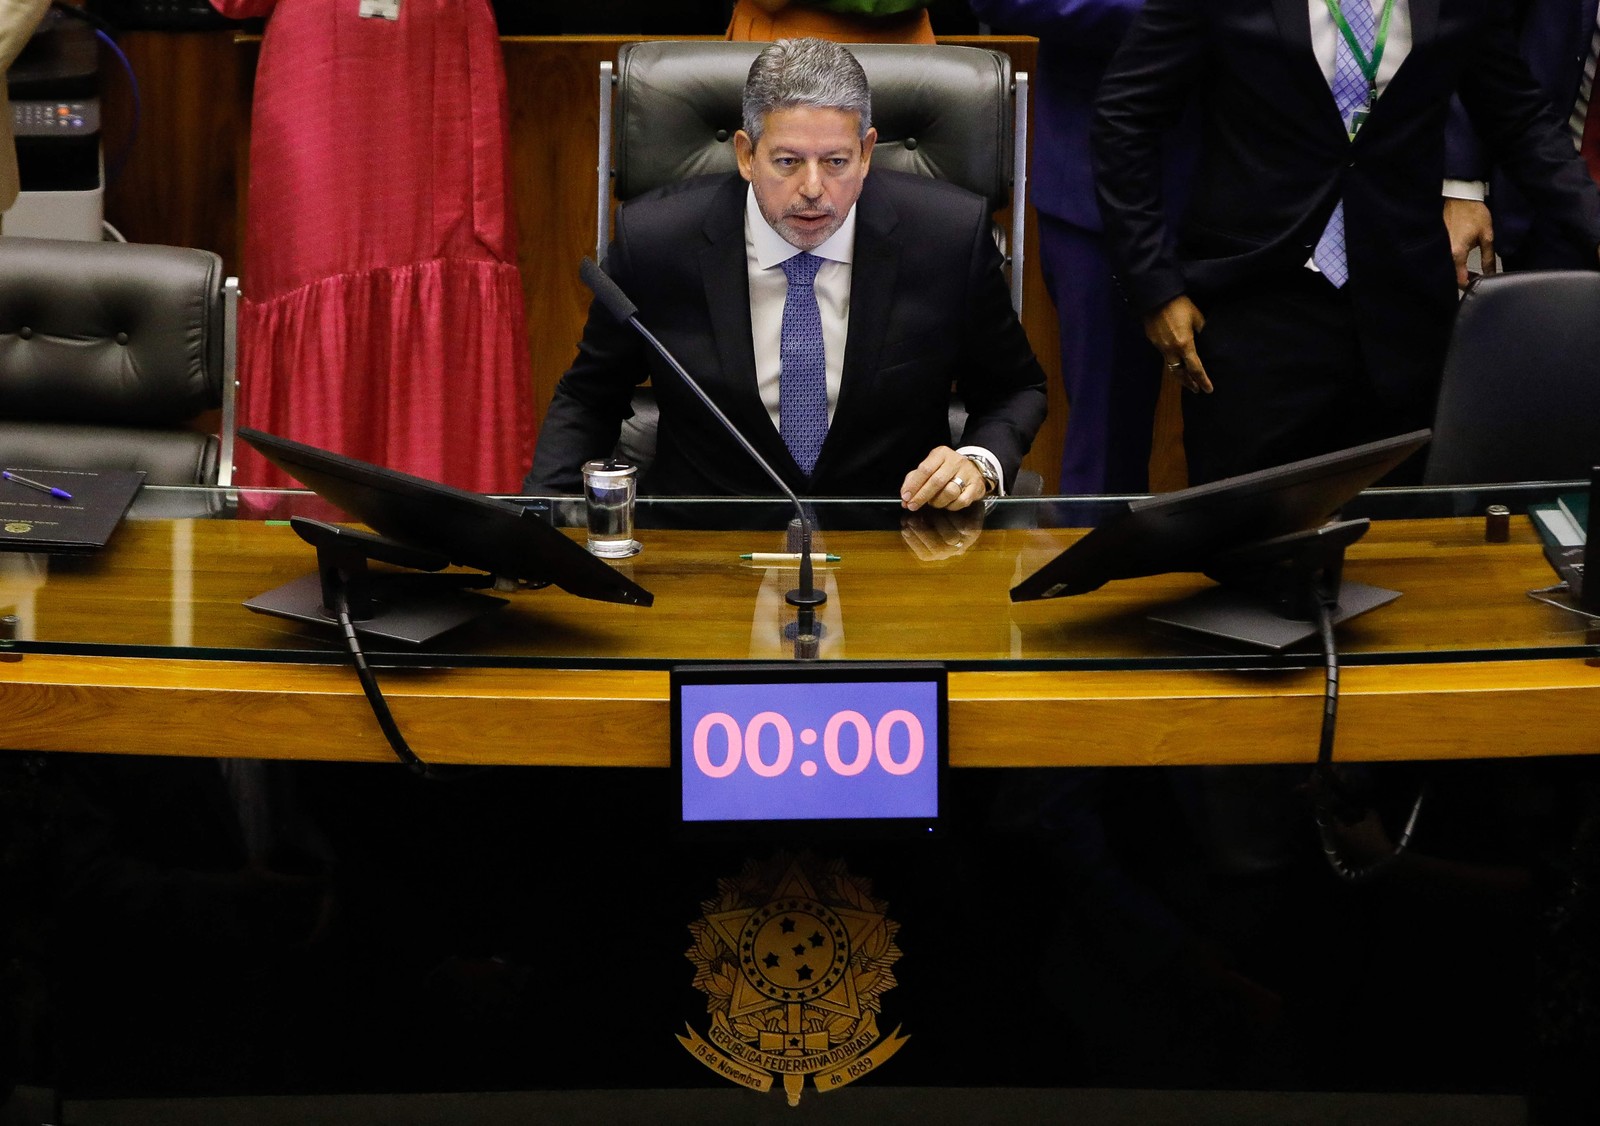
772	248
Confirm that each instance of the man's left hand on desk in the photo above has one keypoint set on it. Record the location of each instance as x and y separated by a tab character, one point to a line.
944	479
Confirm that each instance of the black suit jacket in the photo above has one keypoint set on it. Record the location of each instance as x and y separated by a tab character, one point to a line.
928	308
1553	36
1275	158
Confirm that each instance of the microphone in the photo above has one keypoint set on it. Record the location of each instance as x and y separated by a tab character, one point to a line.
806	598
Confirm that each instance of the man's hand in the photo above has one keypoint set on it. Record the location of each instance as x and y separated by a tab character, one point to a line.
945	479
934	535
1172	329
1470	225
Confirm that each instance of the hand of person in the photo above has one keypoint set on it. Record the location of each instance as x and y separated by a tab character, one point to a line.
1172	329
1470	225
938	534
944	479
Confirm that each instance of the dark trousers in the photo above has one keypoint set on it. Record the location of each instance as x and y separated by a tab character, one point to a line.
1112	374
1291	379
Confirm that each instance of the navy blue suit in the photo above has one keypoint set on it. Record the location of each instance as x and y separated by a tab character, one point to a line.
928	309
1553	38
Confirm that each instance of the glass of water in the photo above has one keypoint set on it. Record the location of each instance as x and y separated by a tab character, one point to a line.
609	488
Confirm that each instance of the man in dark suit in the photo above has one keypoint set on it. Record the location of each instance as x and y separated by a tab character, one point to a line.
841	374
1112	377
1313	254
1557	38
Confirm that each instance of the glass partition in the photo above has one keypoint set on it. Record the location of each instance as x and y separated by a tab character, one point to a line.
930	585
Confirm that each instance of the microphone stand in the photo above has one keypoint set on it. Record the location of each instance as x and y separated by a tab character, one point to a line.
806	597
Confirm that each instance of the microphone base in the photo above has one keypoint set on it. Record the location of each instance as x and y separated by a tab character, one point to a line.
802	599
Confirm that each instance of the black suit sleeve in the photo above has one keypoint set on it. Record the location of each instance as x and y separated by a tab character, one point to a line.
1146	89
1525	135
593	397
998	377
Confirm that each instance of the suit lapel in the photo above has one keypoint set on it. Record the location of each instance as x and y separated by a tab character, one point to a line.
1294	25
1424	30
1424	24
873	272
724	274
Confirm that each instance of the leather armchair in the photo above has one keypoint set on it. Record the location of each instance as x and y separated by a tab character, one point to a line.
110	356
1520	398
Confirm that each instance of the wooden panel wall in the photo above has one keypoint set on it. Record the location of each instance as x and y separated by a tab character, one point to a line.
182	182
186	179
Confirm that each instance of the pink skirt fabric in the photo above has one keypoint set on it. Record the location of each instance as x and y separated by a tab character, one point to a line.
383	314
419	368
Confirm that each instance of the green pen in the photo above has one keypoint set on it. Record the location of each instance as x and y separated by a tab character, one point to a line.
786	557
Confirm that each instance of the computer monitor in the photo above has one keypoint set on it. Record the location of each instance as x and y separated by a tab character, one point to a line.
495	536
1213	528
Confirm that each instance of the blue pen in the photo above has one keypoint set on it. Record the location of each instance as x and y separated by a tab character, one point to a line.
60	494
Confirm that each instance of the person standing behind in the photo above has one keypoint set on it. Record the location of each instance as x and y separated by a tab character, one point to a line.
843	21
1112	377
18	18
1312	254
1559	40
383	314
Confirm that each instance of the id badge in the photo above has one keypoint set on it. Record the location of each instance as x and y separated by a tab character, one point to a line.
380	9
1358	119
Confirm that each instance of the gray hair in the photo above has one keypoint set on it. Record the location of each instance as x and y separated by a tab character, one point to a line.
814	73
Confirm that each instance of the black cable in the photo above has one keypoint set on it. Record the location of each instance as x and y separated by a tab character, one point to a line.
106	33
1330	687
1331	798
380	706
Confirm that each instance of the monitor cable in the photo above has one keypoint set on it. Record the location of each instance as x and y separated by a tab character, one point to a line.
1334	803
380	706
105	32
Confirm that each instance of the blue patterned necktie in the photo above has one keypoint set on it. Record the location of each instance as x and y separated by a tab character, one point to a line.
803	373
1350	95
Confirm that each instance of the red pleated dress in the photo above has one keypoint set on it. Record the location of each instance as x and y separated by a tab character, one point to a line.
382	312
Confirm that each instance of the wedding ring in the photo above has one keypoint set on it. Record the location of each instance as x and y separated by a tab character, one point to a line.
958	482
1174	365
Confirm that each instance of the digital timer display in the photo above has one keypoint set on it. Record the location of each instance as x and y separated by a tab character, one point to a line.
834	748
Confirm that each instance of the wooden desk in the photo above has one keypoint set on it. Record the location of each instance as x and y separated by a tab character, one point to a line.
145	649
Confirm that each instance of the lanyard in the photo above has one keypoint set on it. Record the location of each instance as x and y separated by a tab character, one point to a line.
1369	67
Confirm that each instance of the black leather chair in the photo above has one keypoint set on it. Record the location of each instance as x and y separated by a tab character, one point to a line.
111	353
1520	399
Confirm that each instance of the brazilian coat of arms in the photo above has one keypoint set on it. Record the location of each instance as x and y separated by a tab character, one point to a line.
794	956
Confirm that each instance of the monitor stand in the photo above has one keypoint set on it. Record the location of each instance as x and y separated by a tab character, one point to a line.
392	605
1269	590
